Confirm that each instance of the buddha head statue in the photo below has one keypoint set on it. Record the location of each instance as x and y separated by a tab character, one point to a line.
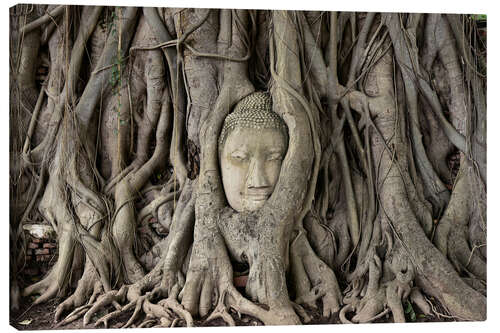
252	145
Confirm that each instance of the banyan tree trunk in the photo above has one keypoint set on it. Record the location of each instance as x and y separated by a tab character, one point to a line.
115	119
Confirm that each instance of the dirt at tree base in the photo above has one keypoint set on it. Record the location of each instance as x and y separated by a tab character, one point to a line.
41	317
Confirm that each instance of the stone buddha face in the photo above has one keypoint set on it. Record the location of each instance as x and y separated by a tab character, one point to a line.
253	143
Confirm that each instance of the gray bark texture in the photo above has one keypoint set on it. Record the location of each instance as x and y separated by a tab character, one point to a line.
380	205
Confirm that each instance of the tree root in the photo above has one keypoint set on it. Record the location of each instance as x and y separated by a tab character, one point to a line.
209	270
152	208
221	311
452	232
273	316
56	282
301	312
89	287
165	310
313	278
418	299
175	306
111	297
368	309
373	299
47	288
140	301
105	320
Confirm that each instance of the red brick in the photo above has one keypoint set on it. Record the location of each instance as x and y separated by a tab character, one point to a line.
49	245
28	258
42	251
39	258
32	246
36	240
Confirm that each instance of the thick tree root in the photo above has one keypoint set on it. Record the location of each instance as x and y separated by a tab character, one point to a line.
221	311
305	318
367	309
313	278
139	299
369	301
452	233
47	288
74	315
56	281
167	310
273	316
89	287
111	297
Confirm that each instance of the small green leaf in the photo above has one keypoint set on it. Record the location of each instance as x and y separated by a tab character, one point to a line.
408	308
409	311
25	322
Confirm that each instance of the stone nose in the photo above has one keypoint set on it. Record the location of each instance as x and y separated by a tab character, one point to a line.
257	175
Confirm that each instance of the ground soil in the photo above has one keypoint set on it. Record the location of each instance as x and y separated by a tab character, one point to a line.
41	317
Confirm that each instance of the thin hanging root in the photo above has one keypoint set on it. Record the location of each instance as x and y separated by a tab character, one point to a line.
440	315
174	305
43	19
112	183
220	311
